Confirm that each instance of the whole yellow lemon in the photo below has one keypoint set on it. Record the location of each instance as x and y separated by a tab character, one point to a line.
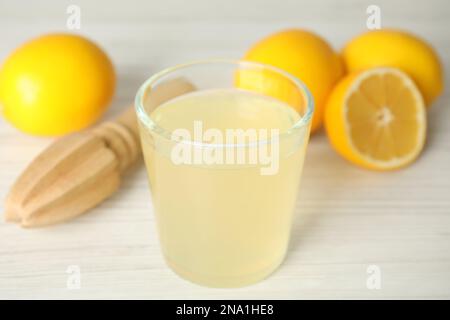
398	49
56	84
306	56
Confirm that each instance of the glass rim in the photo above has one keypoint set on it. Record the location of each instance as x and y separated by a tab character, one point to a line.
147	120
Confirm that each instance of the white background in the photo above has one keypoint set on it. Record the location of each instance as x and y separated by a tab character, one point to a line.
346	218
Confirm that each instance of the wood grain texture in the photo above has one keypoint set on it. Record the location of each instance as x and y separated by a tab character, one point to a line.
346	218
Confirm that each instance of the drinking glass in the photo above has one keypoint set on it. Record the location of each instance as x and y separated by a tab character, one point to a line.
224	224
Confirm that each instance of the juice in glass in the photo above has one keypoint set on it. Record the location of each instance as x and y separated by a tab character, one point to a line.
225	223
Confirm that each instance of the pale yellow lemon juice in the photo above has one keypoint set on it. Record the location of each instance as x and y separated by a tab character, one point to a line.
224	222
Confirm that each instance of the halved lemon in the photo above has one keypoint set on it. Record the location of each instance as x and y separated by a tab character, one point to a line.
377	119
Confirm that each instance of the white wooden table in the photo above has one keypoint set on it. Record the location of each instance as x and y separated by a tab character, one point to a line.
347	219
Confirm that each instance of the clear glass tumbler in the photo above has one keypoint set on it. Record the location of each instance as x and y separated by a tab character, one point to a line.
224	221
